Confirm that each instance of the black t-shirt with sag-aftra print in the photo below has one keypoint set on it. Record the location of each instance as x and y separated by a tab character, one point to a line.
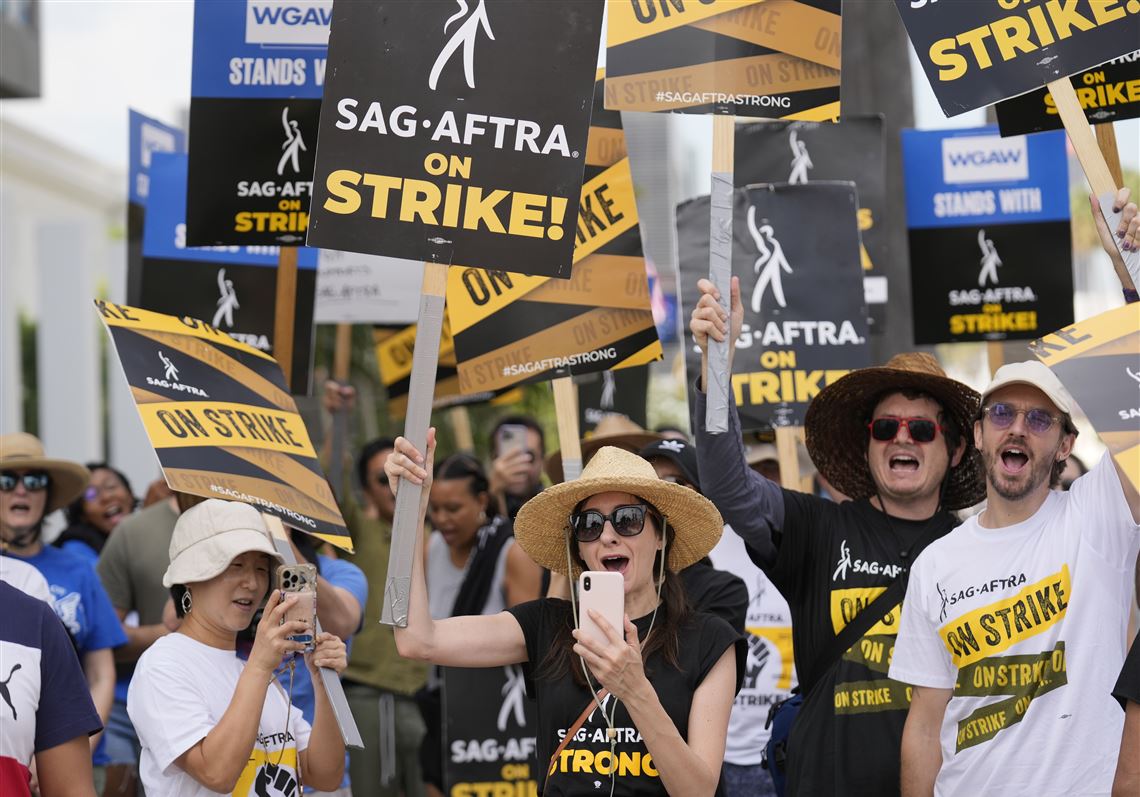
586	764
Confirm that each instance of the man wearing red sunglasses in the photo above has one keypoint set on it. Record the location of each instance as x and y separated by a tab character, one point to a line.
892	438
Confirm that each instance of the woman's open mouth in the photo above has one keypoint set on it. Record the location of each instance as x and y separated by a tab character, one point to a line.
615	563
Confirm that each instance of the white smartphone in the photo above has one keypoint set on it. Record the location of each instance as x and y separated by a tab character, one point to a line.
511	438
604	592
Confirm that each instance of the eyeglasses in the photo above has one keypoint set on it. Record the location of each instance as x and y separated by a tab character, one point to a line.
628	521
1003	415
33	481
921	430
95	490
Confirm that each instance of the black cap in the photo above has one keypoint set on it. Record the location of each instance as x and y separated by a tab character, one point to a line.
681	453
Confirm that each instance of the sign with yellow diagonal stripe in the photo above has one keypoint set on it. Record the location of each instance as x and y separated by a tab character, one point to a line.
510	328
221	420
1098	360
777	59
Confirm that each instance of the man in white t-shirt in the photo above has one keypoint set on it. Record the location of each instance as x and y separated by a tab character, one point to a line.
1014	625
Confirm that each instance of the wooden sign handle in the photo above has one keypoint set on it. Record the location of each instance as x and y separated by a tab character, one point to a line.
344	720
717	378
285	310
1106	140
461	427
786	450
407	522
342	359
569	435
995	354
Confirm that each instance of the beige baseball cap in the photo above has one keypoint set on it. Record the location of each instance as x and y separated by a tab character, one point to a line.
1036	374
209	536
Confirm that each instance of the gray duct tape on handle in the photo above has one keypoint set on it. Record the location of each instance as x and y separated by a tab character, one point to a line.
720	274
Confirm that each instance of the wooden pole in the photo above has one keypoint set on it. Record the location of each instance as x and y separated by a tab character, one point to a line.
718	380
329	678
461	427
786	437
408	522
342	359
569	439
285	311
995	353
1106	140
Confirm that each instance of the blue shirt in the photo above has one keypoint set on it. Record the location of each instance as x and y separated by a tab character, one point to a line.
82	549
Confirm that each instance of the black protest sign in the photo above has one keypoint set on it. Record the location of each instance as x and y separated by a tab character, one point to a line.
457	134
989	236
257	77
979	52
221	419
231	287
765	58
623	392
805	322
1096	359
1108	93
488	733
799	152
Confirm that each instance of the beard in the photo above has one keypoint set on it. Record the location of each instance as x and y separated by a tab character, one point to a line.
1038	474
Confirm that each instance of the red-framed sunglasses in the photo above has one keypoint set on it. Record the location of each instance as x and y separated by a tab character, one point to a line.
921	430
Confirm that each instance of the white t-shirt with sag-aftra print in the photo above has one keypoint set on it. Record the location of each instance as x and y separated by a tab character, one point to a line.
1027	624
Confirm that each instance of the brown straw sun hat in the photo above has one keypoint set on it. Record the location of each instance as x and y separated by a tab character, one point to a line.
543	522
612	430
22	451
836	435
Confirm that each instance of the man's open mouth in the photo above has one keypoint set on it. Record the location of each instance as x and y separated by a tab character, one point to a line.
1014	459
903	462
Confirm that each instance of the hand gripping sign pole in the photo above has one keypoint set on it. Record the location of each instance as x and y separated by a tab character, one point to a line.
425	359
329	678
566	413
720	268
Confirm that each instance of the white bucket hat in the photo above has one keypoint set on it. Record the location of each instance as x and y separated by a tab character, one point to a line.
209	536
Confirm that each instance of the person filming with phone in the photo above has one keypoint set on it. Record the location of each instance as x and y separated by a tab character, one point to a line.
208	722
633	705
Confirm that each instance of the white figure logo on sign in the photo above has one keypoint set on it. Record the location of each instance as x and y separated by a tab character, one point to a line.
464	36
514	692
801	160
769	264
171	374
990	260
227	303
292	145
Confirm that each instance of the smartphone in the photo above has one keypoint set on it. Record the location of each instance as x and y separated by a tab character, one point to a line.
604	592
301	580
511	437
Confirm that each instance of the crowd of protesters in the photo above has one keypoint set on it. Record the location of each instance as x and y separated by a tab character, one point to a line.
940	606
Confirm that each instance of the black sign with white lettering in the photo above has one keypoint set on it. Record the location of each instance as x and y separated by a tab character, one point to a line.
457	133
805	322
977	53
1109	93
488	732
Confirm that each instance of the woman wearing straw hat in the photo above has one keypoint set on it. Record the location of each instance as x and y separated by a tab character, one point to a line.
648	710
208	722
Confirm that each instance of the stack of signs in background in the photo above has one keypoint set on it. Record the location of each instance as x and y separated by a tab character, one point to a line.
147	136
801	283
258	74
221	419
491	727
229	287
1096	360
1109	93
364	289
990	242
469	152
510	328
977	53
765	58
799	152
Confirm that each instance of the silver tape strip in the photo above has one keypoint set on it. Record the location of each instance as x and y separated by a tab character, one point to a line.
720	274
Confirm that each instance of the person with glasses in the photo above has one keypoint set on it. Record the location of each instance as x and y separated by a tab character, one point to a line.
646	711
892	438
1014	627
92	517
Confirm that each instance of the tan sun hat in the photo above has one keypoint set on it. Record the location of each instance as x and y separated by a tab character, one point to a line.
613	429
22	451
210	535
837	437
543	522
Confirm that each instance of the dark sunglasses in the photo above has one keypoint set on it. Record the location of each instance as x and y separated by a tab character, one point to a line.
921	430
1003	415
628	521
33	481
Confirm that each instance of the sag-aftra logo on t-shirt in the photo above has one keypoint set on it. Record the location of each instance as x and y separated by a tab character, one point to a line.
270	774
589	752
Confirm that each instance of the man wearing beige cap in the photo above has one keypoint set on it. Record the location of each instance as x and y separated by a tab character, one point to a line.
1014	625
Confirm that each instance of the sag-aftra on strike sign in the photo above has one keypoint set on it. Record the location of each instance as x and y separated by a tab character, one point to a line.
457	124
979	52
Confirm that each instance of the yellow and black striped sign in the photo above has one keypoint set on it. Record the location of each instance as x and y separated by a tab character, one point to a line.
510	328
1098	360
777	59
221	419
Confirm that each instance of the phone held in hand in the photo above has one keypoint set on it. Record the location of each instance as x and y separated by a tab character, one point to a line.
604	592
300	580
511	437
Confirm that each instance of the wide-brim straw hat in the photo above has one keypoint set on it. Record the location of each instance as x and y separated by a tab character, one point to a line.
543	522
836	435
612	430
22	451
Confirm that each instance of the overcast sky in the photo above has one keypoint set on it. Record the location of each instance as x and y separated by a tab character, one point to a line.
101	57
